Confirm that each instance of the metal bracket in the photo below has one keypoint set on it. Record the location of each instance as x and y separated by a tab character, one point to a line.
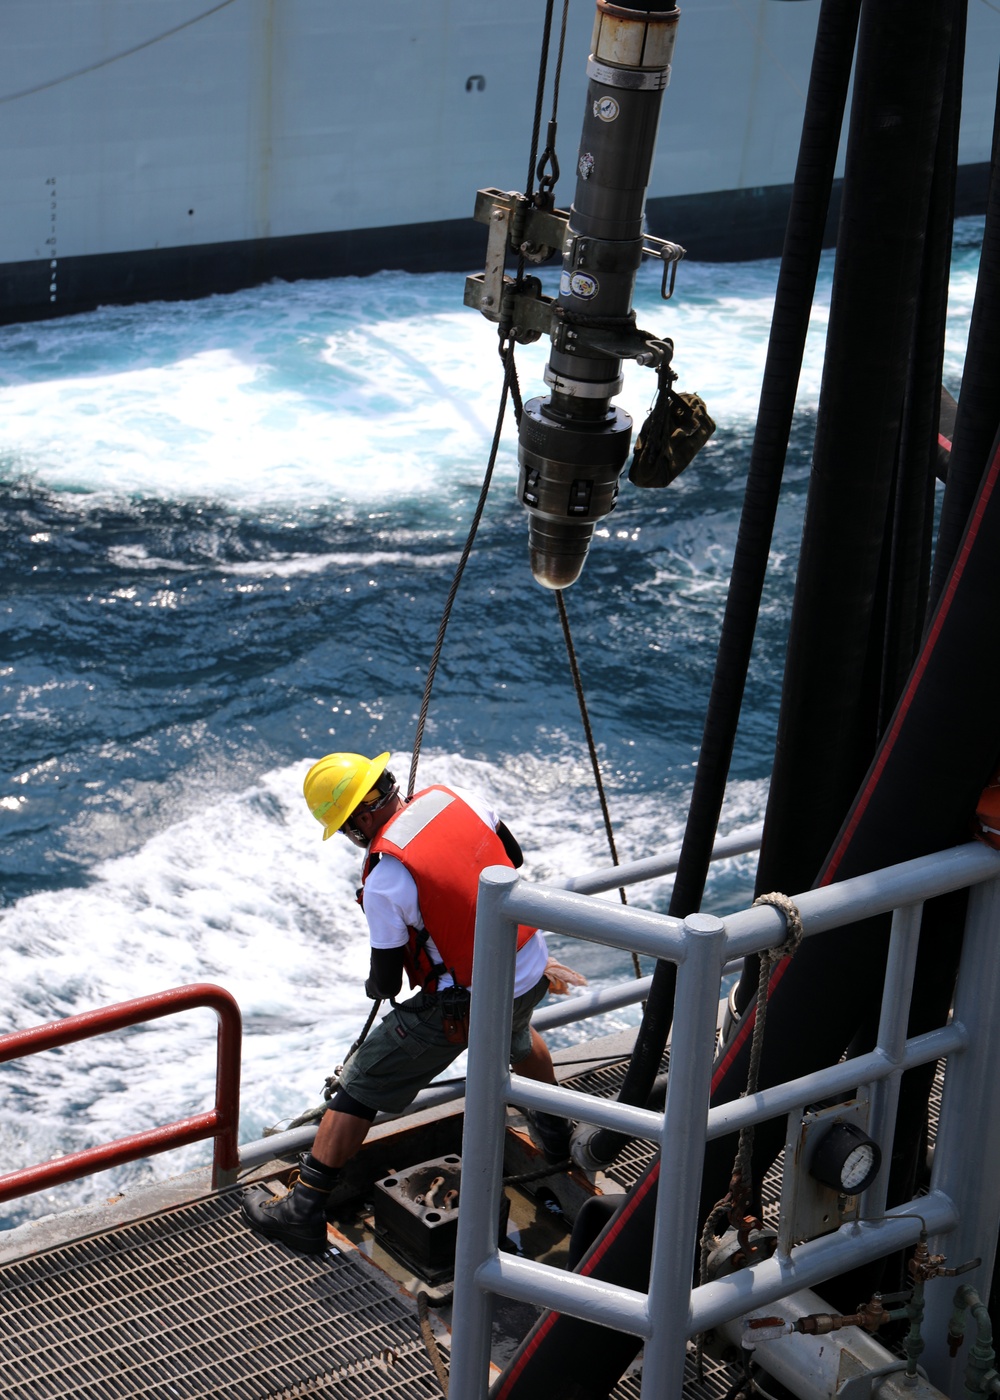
670	254
808	1208
497	215
536	233
623	342
603	254
863	1387
530	312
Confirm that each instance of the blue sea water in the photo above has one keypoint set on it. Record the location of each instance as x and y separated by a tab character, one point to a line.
228	528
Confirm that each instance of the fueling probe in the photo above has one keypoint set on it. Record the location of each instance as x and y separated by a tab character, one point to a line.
573	443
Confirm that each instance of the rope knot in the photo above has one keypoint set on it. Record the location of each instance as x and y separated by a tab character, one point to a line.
793	922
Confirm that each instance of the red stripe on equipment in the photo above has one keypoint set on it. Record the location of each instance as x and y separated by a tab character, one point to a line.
940	617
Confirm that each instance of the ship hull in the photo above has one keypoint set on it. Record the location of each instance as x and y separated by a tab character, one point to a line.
169	150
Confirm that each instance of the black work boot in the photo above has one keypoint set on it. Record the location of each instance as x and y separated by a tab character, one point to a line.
298	1219
552	1134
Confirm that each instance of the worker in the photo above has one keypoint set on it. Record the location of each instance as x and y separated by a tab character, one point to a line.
420	879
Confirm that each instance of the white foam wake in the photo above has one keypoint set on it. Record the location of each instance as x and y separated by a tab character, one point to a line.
245	894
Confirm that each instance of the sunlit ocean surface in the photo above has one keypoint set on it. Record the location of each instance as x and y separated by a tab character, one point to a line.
228	530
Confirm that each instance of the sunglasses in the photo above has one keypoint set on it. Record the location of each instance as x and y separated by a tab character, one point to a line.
372	801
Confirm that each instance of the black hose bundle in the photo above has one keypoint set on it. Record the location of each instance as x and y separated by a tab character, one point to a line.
978	414
814	175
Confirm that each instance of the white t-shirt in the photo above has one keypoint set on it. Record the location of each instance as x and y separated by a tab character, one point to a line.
391	909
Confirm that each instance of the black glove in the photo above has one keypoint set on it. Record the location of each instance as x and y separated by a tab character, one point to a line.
371	989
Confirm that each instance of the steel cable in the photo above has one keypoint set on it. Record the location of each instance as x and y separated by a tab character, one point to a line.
115	57
591	746
508	379
510	386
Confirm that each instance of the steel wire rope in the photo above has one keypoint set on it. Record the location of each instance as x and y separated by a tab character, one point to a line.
116	57
313	1115
560	600
508	380
543	63
510	386
547	183
591	746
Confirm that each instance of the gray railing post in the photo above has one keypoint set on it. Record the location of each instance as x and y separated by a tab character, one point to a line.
967	1151
682	1148
964	1204
486	1084
899	971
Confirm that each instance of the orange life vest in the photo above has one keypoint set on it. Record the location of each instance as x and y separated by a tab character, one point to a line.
988	813
445	846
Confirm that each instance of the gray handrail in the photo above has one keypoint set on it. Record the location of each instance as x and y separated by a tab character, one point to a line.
634	872
701	946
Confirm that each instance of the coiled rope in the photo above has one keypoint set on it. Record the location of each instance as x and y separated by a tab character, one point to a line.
768	958
431	1343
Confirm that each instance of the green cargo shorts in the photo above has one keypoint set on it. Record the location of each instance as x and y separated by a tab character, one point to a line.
408	1048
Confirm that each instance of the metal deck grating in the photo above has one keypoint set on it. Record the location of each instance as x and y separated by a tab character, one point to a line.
605	1082
192	1303
716	1383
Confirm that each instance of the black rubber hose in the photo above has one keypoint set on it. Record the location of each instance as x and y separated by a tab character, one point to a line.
908	586
943	741
828	725
814	174
978	414
909	563
830	710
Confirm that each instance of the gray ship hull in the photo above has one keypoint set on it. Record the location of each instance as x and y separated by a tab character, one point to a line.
173	149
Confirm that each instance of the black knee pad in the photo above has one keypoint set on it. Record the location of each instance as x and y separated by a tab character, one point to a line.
343	1102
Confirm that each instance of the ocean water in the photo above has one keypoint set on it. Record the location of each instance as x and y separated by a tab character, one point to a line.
228	530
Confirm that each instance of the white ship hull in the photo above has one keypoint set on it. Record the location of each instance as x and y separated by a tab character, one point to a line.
173	148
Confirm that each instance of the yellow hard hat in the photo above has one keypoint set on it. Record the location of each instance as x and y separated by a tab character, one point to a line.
335	785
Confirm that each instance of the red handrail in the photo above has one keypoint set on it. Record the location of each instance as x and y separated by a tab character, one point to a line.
222	1123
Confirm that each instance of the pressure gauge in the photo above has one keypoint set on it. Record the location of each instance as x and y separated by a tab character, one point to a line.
846	1159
